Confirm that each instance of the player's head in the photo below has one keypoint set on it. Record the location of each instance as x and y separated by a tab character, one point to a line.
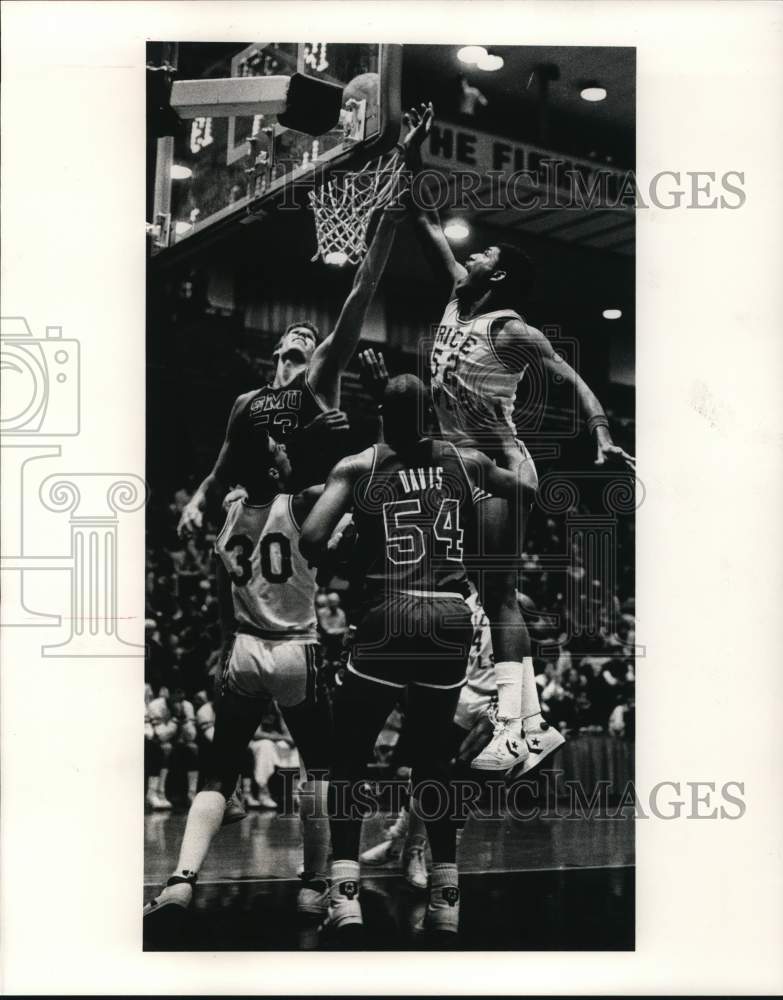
502	269
271	471
405	408
294	350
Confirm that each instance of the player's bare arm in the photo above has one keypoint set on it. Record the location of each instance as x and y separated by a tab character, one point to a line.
425	216
519	485
515	342
333	355
336	499
302	503
217	483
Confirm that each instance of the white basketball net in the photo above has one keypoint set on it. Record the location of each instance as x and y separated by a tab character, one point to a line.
343	207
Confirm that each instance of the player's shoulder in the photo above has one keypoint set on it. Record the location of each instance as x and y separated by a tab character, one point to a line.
243	402
362	461
512	324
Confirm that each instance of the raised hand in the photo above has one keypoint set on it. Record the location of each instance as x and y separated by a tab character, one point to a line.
373	373
418	123
191	521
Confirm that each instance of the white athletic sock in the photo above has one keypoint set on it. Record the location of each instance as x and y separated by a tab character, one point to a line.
192	782
314	821
163	778
204	820
341	872
444	873
444	877
531	706
508	677
153	784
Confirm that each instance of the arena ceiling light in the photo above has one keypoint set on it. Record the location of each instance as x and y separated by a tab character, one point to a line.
490	63
472	54
593	94
180	172
456	230
612	313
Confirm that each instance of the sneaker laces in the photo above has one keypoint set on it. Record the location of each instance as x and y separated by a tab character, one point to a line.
498	724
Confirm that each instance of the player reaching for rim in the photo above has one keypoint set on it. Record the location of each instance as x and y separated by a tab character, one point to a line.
300	407
481	352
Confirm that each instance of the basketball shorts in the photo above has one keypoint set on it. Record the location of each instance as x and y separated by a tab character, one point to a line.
472	705
413	638
279	669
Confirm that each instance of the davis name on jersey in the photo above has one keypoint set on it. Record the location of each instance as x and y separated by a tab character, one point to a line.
272	585
410	516
473	392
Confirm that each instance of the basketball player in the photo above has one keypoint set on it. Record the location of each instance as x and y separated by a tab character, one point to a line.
411	498
481	351
299	408
273	654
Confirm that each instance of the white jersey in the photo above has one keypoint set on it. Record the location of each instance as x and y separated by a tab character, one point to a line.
472	390
480	674
272	585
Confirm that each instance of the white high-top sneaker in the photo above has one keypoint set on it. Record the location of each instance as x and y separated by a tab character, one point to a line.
505	750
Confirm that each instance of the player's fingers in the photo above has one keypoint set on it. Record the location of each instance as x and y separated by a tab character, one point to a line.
382	366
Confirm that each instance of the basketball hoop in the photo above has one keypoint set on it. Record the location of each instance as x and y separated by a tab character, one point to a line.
343	206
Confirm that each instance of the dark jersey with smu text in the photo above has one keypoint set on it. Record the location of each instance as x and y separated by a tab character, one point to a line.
283	413
410	514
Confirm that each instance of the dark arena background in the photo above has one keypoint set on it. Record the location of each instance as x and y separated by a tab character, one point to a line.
549	863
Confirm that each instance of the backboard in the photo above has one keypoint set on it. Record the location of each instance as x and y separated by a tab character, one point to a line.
216	172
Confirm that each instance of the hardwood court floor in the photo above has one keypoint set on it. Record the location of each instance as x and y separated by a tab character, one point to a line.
550	884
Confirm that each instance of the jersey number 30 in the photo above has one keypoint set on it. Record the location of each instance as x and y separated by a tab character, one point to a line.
275	552
405	539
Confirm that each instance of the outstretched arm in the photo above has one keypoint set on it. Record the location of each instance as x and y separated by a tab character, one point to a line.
336	499
332	356
517	342
425	216
214	487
